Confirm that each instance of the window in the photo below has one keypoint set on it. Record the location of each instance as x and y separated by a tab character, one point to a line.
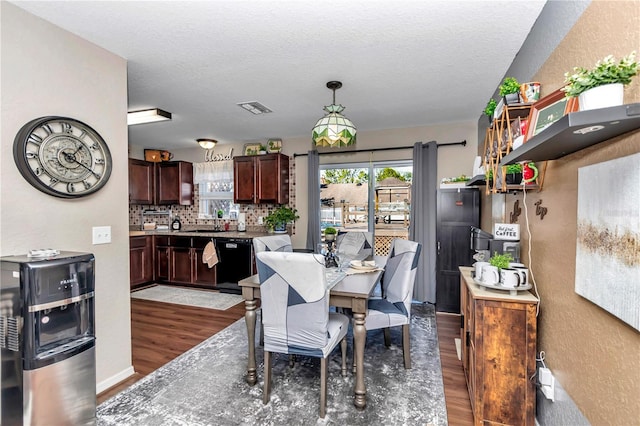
215	188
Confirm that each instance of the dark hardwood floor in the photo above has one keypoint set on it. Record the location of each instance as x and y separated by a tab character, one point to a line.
161	331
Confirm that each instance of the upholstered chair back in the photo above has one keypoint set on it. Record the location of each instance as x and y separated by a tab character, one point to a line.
359	244
400	273
280	242
295	303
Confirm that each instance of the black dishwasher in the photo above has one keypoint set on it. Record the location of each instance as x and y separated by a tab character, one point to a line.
235	262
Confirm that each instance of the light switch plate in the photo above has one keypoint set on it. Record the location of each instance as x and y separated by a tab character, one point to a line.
101	234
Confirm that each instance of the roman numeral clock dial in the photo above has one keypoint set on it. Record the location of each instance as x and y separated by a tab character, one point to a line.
62	157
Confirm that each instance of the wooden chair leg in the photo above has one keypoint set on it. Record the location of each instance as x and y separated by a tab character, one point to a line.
406	346
323	387
292	361
266	393
343	348
261	331
387	337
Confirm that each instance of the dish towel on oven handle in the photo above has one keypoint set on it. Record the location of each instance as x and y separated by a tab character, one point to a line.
209	255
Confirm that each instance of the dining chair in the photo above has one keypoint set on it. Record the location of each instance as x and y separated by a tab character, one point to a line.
280	242
394	307
296	317
358	244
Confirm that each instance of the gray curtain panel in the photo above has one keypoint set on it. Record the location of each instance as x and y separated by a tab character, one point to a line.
422	228
313	191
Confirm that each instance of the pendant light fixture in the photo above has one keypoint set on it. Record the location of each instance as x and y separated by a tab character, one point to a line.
334	129
207	143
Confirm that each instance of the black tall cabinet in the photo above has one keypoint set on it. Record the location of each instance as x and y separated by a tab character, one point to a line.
458	211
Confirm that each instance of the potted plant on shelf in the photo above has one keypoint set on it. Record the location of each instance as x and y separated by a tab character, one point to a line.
490	109
277	220
263	149
513	174
603	85
330	233
510	91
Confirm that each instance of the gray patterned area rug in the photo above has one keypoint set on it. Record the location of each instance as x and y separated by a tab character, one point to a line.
187	296
206	385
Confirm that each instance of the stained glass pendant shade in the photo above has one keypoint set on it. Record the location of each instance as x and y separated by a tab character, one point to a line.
334	129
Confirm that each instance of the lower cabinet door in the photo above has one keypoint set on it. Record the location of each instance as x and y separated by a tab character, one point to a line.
162	263
202	274
180	265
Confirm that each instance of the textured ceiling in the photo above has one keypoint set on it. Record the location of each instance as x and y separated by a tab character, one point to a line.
402	64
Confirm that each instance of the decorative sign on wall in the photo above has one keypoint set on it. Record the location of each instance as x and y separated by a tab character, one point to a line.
608	240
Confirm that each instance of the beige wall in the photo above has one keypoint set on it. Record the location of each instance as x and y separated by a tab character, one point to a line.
594	355
48	71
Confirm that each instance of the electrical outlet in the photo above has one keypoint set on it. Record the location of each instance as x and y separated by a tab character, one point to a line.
101	234
547	383
260	220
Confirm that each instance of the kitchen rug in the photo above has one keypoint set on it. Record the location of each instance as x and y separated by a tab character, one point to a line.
206	385
187	296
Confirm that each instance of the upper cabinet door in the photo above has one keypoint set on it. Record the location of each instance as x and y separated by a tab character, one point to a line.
141	182
244	181
175	183
261	179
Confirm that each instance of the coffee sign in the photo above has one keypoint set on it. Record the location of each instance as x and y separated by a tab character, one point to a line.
506	231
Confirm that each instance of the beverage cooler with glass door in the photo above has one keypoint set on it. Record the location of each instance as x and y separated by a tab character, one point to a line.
47	339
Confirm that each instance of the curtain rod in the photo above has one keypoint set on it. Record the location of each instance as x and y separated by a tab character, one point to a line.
391	148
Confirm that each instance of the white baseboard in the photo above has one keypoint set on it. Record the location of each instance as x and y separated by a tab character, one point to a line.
115	379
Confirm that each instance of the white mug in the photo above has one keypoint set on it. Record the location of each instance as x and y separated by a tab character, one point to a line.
490	274
524	274
478	270
510	277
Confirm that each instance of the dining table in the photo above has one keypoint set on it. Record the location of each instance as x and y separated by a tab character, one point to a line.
352	292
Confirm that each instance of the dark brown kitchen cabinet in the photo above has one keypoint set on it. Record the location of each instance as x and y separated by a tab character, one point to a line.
161	251
179	261
498	334
261	179
174	183
142	185
168	182
140	260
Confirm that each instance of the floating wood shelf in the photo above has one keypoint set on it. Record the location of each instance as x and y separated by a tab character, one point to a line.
576	131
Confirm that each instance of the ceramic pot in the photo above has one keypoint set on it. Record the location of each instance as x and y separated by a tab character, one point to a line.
512	98
530	92
604	96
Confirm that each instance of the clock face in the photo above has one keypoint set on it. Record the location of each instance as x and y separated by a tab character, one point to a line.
62	157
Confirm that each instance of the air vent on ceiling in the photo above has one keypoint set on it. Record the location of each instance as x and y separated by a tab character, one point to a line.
254	107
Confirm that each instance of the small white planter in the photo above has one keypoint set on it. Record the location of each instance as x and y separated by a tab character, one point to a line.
604	96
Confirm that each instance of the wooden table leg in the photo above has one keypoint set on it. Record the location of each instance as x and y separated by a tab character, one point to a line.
250	319
359	338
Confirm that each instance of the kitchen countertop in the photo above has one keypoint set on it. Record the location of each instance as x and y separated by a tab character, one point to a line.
193	233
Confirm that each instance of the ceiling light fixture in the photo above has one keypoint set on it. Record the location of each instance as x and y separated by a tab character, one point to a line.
334	129
147	116
207	143
254	107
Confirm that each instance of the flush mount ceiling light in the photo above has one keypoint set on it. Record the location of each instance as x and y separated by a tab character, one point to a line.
206	143
254	107
147	116
334	129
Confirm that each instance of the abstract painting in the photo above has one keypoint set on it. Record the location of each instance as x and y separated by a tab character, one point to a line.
608	243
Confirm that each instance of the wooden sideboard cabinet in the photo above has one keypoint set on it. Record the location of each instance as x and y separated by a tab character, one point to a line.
261	179
498	334
140	259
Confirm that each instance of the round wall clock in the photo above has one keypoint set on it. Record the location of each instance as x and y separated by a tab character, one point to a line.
62	157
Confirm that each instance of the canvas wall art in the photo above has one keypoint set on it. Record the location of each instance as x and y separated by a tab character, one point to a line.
608	241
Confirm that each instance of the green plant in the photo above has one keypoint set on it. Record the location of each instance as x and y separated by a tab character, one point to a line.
500	261
606	71
514	168
509	85
330	230
263	147
490	108
281	216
